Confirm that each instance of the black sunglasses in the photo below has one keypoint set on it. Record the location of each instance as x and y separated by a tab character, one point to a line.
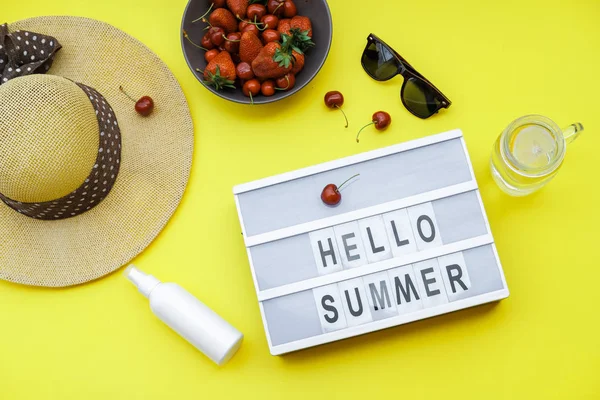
418	95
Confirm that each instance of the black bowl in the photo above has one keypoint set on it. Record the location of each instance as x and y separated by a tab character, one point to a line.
316	10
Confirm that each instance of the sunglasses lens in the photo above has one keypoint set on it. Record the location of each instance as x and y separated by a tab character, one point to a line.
419	98
379	62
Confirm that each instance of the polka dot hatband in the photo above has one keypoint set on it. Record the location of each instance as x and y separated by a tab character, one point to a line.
99	182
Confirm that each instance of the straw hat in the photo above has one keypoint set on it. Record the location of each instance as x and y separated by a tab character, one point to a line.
85	182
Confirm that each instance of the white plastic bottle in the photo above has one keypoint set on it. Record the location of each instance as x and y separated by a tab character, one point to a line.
188	316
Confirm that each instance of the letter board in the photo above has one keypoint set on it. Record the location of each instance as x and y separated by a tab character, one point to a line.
409	240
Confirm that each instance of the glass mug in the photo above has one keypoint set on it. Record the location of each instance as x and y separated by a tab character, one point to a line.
529	152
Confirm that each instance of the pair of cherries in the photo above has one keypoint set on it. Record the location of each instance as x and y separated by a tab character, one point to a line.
380	119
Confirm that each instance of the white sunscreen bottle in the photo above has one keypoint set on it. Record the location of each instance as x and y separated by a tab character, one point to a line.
188	316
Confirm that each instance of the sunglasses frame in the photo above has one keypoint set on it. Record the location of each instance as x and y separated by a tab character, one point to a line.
407	71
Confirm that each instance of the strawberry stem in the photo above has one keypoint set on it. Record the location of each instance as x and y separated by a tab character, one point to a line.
339	108
126	94
205	14
348	180
361	129
185	35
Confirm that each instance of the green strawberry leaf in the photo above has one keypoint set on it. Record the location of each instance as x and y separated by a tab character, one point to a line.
218	81
297	41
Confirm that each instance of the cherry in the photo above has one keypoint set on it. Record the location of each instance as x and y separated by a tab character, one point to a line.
271	35
335	99
289	9
205	44
217	35
218	3
268	88
232	42
251	28
275	7
251	88
380	119
244	71
256	11
143	106
331	193
243	24
286	82
270	21
209	55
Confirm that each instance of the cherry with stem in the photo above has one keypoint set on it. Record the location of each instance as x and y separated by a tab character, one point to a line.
335	99
143	106
331	193
380	119
187	37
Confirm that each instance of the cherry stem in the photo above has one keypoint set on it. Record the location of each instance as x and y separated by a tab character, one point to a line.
275	10
205	14
264	28
339	108
251	98
230	40
287	78
361	129
252	23
287	87
127	94
185	35
348	180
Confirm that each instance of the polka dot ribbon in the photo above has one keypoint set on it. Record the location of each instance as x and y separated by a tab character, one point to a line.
25	53
100	180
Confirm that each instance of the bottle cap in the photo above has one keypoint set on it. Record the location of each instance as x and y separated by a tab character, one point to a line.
144	282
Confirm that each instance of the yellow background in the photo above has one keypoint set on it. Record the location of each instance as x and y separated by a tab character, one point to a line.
496	61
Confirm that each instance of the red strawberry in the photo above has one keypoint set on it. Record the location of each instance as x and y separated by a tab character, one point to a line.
250	47
302	23
238	7
298	63
265	67
284	26
220	71
223	18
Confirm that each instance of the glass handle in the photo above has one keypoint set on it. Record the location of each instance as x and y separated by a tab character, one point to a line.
572	132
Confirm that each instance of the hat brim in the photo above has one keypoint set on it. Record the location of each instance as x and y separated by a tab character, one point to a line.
155	163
